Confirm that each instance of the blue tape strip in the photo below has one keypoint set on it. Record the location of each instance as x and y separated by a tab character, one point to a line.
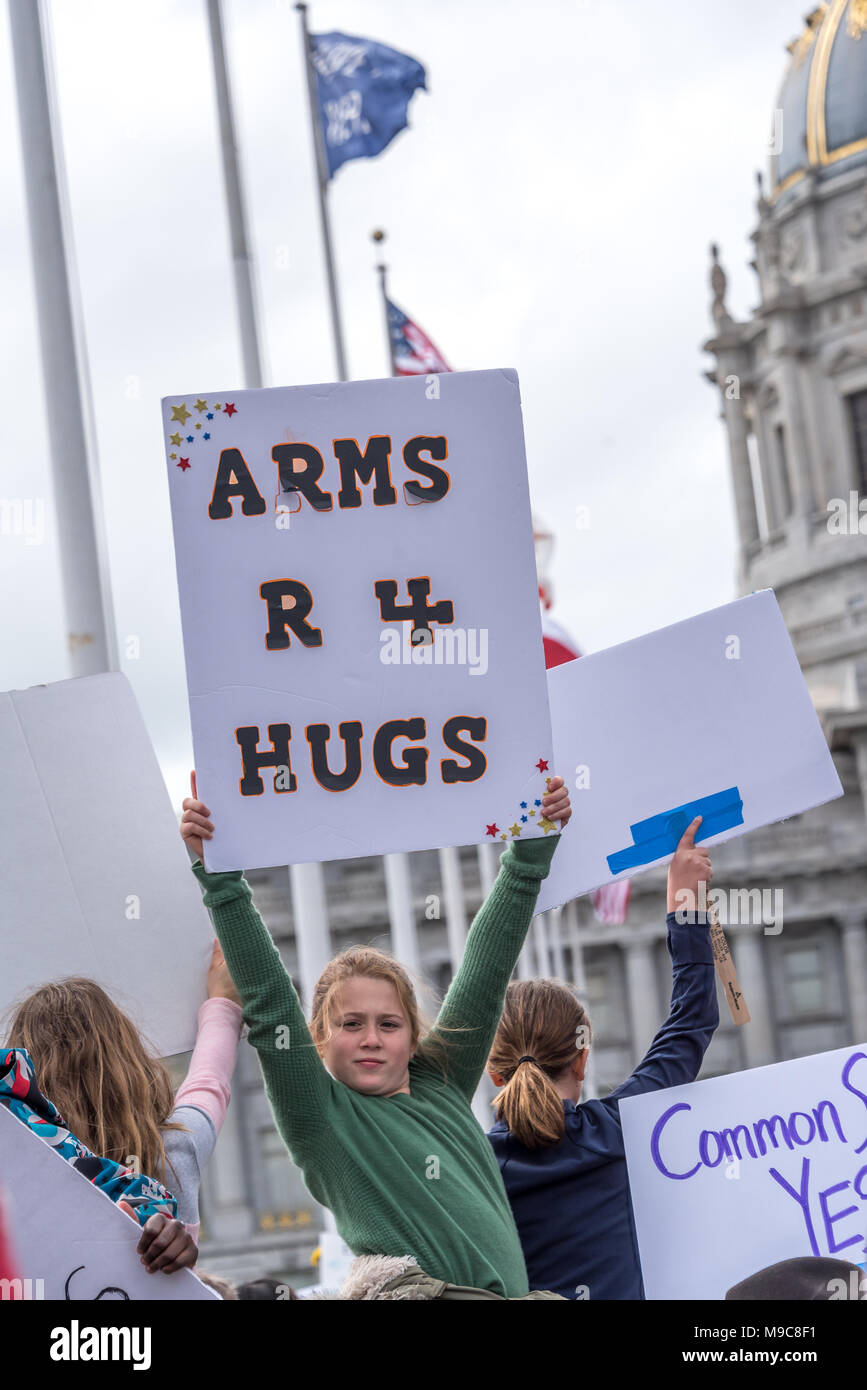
660	835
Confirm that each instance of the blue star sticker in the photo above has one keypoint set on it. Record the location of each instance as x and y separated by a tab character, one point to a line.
523	805
206	435
523	818
210	415
191	439
537	803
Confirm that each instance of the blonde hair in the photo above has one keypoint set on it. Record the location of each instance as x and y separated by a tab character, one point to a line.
93	1066
544	1021
373	964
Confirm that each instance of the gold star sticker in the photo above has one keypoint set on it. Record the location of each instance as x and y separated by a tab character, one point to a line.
201	405
217	406
547	781
172	456
532	813
504	837
198	424
180	412
176	439
546	824
514	830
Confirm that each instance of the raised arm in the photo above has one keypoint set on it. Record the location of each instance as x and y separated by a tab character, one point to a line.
471	1010
295	1079
676	1053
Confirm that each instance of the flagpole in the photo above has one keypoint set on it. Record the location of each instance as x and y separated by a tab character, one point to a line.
242	261
378	237
322	185
91	636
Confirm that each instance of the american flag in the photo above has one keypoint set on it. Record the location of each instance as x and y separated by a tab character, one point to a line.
412	351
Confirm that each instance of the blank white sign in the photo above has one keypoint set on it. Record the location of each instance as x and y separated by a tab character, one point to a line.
706	706
96	881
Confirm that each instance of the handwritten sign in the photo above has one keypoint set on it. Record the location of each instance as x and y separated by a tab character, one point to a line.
360	614
730	1175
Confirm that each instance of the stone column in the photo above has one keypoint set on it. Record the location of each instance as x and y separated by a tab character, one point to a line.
642	992
853	935
742	482
759	1040
401	918
228	1211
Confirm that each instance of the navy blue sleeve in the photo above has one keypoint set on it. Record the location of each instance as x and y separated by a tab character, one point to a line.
676	1053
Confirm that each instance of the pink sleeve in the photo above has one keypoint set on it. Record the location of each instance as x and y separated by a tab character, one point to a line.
208	1082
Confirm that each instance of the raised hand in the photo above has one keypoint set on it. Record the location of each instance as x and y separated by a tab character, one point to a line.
689	867
194	822
555	803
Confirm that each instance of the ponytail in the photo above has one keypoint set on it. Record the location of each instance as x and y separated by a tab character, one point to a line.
542	1031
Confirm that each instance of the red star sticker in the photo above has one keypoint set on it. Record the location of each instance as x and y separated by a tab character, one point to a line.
229	410
493	829
542	765
183	464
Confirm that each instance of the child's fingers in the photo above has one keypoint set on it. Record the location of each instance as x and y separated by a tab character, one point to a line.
193	783
188	804
191	821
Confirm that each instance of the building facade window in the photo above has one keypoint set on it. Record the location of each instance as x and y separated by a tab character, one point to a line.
605	998
858	416
783	471
808	995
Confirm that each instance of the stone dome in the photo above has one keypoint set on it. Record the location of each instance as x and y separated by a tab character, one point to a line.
820	122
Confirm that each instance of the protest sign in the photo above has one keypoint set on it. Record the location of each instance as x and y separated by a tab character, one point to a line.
71	1241
730	1175
708	717
361	622
95	879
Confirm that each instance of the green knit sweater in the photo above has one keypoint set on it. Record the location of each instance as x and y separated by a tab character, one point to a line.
409	1174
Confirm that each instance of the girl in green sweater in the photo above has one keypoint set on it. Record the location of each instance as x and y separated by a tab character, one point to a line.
377	1116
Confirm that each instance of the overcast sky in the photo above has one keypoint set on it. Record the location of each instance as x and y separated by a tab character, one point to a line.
550	209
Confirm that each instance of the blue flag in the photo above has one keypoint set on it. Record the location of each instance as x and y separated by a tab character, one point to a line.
364	90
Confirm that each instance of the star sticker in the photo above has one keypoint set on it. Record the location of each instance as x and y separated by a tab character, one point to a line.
172	456
546	824
548	781
198	424
184	465
201	405
191	439
514	830
180	412
532	813
504	837
542	765
230	411
175	438
210	415
524	819
206	435
217	406
523	805
537	802
493	829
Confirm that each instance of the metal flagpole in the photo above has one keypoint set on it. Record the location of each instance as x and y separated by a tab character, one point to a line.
378	237
92	640
322	185
242	261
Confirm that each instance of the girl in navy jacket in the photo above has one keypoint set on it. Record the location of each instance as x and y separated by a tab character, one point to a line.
563	1160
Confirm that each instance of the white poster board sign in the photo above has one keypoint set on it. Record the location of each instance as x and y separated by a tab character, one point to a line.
96	881
361	623
730	1175
71	1240
709	717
